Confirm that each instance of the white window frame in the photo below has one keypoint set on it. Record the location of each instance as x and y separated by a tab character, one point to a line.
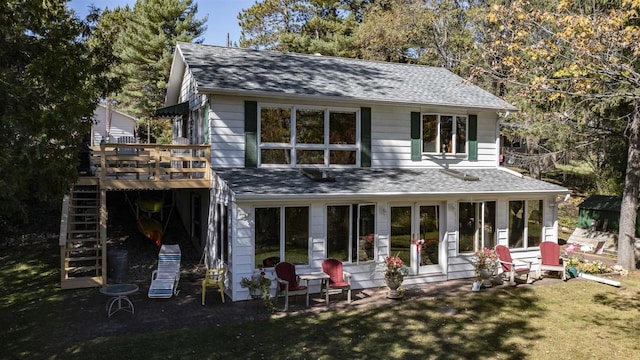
292	146
454	135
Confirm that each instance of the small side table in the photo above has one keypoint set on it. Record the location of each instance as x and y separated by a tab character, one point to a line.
318	275
119	295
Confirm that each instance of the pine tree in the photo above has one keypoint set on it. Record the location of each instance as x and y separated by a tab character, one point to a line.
108	25
309	26
146	48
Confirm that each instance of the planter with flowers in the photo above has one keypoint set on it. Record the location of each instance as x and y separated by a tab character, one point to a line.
259	287
394	274
581	267
485	264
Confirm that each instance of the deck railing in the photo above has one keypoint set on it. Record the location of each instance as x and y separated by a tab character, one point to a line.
152	163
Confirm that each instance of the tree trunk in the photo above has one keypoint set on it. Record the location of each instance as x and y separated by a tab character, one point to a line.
629	207
533	150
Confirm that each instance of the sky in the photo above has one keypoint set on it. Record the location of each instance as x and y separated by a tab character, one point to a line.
222	16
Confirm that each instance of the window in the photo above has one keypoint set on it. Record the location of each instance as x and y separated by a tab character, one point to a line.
401	232
428	229
351	232
446	134
299	136
430	233
283	233
476	224
275	134
525	223
366	234
222	222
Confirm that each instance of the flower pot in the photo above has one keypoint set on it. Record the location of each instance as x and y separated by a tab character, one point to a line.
485	274
393	283
255	293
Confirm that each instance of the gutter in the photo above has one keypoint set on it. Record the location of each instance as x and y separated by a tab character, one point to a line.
368	196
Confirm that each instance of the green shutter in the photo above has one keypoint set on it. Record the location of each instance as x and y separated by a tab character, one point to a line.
473	137
416	151
365	137
250	134
206	122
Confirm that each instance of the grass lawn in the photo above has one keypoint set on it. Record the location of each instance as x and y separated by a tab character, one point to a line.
573	320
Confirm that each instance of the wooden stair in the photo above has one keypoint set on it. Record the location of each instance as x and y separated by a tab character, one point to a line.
82	243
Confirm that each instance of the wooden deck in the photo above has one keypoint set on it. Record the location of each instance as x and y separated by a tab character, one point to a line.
151	166
83	226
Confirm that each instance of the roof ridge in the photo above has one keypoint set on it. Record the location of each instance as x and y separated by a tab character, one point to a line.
321	56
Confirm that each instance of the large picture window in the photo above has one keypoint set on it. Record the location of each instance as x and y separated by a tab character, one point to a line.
299	136
446	134
351	232
525	223
476	224
282	234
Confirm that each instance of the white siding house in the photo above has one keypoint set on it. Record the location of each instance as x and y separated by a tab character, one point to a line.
316	157
121	126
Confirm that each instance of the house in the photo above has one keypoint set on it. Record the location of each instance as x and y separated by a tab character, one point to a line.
315	157
111	125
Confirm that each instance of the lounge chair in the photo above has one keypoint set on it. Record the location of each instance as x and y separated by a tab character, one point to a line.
510	268
339	279
288	283
550	259
164	280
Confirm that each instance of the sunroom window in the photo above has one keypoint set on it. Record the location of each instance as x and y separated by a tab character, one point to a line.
351	232
525	223
476	225
304	136
446	134
282	233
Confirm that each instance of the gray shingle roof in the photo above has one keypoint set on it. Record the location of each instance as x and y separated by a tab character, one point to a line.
281	183
235	70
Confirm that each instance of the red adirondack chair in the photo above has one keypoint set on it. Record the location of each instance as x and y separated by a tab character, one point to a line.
339	279
550	259
514	270
288	283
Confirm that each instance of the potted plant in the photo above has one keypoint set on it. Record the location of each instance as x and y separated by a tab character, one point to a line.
259	287
395	271
485	264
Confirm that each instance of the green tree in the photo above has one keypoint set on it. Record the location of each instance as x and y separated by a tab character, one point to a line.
107	27
49	87
582	60
386	32
145	48
436	33
309	26
268	24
